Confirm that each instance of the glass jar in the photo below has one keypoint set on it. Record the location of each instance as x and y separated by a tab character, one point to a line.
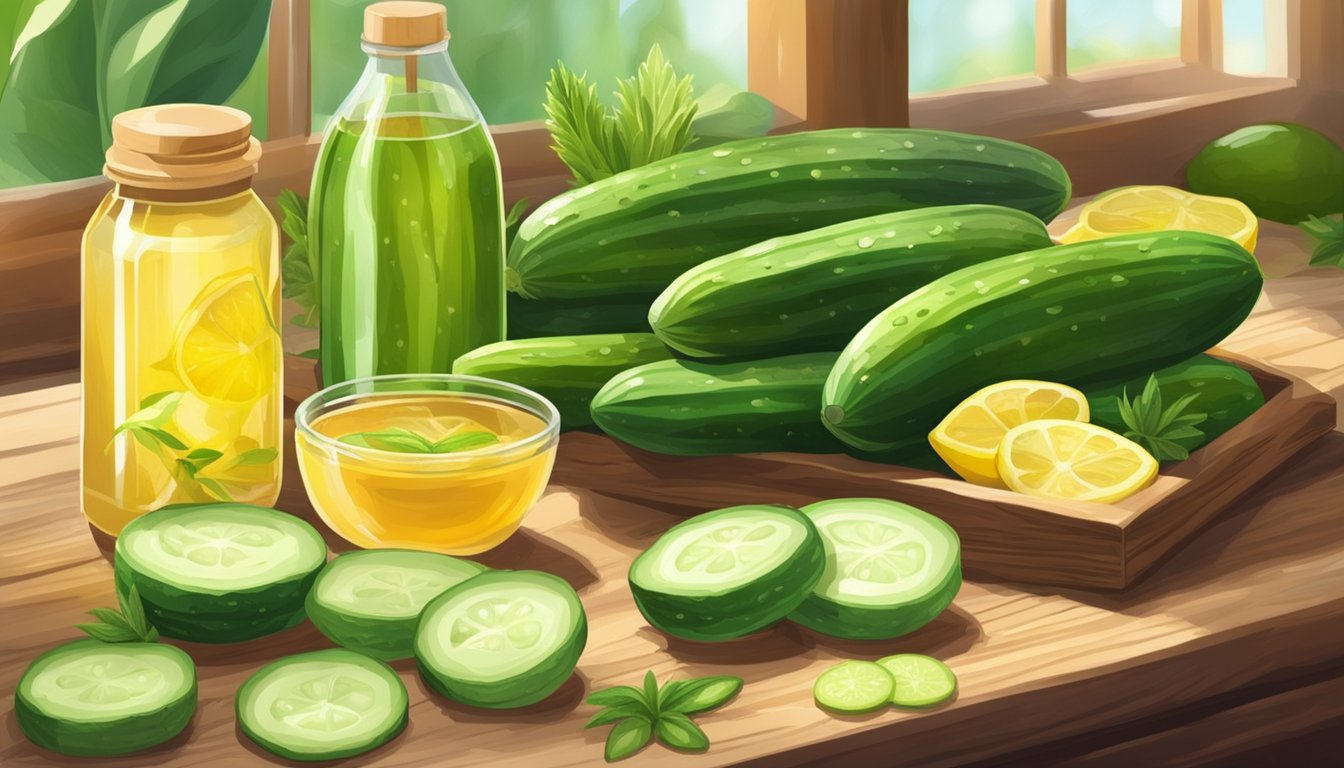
181	356
406	219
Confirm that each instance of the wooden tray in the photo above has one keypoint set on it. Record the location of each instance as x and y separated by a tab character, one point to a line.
1004	535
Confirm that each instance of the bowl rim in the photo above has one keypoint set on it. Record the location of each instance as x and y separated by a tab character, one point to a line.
549	414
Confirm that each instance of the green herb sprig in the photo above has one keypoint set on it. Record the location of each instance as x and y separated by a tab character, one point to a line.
643	714
401	440
298	268
128	625
1166	432
651	121
1328	231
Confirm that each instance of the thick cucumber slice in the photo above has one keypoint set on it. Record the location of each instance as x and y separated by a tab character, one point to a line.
852	687
102	699
370	600
728	573
323	705
220	573
921	681
501	639
890	569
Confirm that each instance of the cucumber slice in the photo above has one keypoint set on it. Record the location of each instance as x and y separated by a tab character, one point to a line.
370	600
501	639
101	699
728	573
322	705
219	573
890	569
921	681
854	687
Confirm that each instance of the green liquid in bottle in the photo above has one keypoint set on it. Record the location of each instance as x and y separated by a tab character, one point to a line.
407	220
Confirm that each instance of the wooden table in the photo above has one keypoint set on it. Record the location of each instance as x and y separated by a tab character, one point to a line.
1234	645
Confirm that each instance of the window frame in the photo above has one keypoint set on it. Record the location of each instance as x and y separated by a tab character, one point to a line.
814	59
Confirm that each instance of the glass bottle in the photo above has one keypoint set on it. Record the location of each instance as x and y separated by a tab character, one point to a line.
181	358
406	218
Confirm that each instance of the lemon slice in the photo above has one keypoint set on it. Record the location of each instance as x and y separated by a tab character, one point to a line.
227	347
1157	208
1073	460
968	438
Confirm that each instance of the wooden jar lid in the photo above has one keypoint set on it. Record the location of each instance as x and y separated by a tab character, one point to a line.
182	146
405	24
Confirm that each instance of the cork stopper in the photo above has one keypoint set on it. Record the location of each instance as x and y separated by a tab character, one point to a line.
405	24
182	147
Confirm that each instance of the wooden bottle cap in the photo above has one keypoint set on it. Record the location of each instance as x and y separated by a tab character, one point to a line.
182	147
405	24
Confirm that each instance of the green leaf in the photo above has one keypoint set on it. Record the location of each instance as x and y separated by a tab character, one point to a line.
157	397
395	439
514	219
651	691
677	731
699	694
165	437
1328	231
215	488
465	441
583	135
619	695
112	618
155	411
256	456
108	633
204	457
612	714
654	112
628	737
310	354
1166	433
134	611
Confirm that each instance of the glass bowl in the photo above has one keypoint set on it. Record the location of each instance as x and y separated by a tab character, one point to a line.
350	440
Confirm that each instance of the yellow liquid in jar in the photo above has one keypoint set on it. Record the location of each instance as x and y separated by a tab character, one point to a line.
182	360
455	503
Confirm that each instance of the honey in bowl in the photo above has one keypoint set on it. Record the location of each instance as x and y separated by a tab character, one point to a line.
438	463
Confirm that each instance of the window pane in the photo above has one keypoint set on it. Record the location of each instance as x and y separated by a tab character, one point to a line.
961	42
1114	31
504	49
1244	37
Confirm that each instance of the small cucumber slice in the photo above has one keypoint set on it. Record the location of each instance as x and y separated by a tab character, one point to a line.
322	705
220	573
890	569
370	600
101	699
727	573
921	681
501	639
852	687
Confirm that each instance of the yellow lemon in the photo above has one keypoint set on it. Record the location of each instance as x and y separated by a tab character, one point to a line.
1157	208
968	438
1073	460
228	349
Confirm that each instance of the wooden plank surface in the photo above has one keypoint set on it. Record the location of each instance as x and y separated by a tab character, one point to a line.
1254	602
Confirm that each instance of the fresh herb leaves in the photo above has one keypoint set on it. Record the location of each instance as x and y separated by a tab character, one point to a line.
1328	232
124	626
298	268
1167	433
401	440
652	119
641	714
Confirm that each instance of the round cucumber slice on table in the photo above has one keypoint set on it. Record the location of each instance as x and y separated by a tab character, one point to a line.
101	699
854	687
370	600
502	639
890	569
728	573
219	573
921	681
322	705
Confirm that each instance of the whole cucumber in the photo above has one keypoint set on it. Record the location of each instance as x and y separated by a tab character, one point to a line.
534	318
1088	312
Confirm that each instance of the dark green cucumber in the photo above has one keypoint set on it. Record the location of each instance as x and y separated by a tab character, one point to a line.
814	290
96	699
693	408
633	233
728	573
1089	312
219	573
1224	391
567	370
531	318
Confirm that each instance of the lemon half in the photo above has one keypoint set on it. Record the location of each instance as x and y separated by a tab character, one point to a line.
1158	208
227	347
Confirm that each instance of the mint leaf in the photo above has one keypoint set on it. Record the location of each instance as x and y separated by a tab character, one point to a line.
108	633
677	731
1328	231
1166	433
619	695
165	437
612	714
698	694
256	456
465	441
628	737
